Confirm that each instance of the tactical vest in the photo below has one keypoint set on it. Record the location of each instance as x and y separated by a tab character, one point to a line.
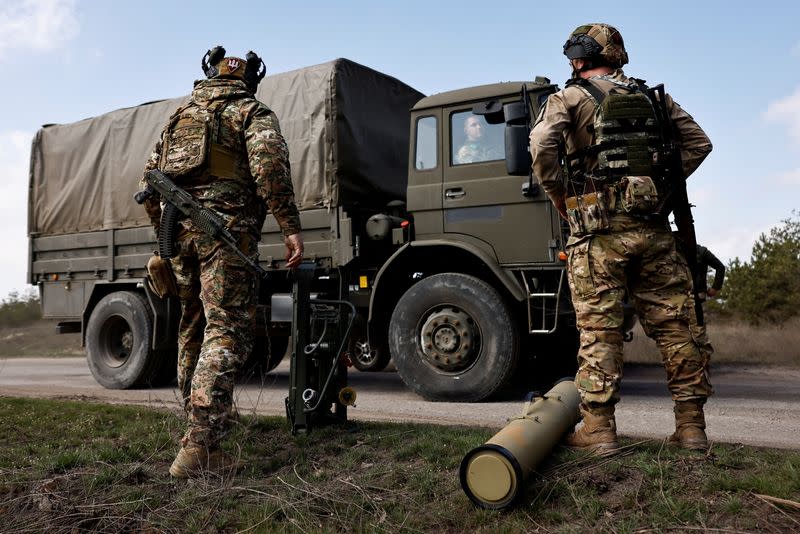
626	133
191	142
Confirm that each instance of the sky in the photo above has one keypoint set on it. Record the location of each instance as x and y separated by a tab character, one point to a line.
734	66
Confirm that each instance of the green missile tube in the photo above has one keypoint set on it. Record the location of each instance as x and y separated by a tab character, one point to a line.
493	475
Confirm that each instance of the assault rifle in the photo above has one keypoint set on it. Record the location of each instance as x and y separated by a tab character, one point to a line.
180	204
676	199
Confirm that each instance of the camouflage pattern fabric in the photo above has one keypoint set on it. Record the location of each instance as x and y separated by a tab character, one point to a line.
610	41
248	169
639	257
218	299
630	254
567	119
246	174
475	152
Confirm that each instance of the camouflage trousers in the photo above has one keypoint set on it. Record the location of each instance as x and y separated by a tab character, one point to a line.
218	299
637	258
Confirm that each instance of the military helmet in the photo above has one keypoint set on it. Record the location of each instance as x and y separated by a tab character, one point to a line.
597	41
251	70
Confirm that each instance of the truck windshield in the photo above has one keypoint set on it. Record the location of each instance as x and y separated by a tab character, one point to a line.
473	140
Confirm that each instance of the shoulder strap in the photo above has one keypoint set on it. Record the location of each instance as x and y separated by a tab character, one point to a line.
593	91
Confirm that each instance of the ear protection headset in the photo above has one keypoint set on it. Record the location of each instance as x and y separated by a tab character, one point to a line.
254	70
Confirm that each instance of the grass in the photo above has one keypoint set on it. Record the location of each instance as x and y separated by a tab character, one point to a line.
735	342
69	466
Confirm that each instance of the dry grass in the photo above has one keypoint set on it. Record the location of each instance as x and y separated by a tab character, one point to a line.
735	342
70	466
38	338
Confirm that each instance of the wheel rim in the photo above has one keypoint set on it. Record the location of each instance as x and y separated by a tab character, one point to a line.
450	339
116	341
363	353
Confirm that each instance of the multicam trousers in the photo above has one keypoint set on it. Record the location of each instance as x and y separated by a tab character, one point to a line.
218	299
637	258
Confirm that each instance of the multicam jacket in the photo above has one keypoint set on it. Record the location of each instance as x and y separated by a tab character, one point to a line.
248	171
567	120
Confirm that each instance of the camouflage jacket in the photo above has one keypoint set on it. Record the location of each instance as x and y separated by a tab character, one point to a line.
568	119
475	152
259	177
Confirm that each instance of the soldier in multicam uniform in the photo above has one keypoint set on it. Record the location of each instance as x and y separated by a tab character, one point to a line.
618	243
225	148
475	148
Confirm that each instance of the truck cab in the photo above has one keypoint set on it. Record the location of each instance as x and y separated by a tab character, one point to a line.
479	287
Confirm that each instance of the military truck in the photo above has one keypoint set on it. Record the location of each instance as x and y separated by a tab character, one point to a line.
453	263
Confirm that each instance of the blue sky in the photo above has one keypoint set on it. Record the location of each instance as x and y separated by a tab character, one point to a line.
735	68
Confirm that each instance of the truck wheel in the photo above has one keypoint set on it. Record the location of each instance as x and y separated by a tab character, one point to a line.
277	351
365	357
118	337
268	352
453	339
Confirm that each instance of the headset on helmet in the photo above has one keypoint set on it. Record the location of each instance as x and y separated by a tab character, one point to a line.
597	41
251	69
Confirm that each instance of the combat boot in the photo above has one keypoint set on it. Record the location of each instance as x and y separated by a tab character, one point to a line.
690	424
598	433
193	460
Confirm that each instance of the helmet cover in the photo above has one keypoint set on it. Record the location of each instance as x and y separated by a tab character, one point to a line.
597	40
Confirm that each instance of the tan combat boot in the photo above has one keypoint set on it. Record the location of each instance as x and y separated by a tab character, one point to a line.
598	433
690	424
193	460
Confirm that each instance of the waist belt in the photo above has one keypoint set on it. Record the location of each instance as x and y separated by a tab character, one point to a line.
612	196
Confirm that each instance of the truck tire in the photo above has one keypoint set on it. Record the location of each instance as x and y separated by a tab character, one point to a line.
277	351
365	357
268	352
453	338
118	341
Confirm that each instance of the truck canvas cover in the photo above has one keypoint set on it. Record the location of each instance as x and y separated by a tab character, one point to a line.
347	127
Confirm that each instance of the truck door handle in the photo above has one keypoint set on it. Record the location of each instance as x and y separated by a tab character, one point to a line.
454	193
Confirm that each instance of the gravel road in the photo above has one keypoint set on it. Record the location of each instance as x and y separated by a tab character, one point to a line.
754	406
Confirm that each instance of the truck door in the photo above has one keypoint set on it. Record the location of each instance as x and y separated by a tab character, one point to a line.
425	172
481	200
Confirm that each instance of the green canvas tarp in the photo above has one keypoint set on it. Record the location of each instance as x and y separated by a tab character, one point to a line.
346	125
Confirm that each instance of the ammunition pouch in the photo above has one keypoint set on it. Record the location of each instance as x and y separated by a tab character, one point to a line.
638	195
160	277
588	213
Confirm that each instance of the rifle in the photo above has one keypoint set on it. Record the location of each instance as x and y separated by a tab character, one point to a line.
676	200
179	202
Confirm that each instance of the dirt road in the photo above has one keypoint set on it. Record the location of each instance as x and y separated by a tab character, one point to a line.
754	406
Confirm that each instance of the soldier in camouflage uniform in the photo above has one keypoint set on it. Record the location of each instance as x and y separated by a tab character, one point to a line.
225	148
618	244
475	148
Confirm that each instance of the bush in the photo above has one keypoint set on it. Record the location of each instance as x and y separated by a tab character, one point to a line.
767	287
19	309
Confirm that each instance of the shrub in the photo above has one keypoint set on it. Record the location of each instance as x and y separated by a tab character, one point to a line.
19	309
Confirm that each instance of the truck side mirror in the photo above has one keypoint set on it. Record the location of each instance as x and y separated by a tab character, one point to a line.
518	157
491	110
515	113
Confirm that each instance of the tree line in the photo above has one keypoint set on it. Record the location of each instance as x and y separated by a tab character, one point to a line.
765	288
